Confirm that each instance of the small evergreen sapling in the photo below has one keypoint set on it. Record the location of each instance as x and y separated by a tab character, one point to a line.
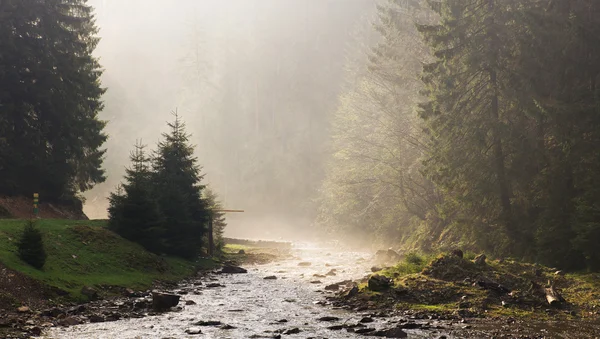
31	246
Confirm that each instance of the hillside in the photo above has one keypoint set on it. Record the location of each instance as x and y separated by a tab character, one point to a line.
81	253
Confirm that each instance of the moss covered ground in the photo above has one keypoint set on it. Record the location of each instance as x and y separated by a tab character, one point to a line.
452	285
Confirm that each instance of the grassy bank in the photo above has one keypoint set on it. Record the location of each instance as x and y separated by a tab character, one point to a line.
85	253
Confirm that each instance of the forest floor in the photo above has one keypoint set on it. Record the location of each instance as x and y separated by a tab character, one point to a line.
495	292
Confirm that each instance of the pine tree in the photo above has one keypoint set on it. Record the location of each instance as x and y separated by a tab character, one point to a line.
133	211
49	99
219	222
176	176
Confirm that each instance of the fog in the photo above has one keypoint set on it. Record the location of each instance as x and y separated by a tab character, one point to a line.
255	82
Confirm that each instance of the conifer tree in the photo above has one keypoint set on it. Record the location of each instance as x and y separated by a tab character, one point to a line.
50	134
31	246
176	178
133	210
219	222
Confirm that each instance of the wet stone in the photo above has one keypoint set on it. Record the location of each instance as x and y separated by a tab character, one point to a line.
190	302
294	330
193	330
328	318
366	320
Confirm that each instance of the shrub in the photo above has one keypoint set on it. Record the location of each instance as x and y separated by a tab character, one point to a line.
31	246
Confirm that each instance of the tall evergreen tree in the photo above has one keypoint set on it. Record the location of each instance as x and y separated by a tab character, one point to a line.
49	99
177	177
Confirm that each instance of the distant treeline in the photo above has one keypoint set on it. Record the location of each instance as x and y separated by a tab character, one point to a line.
474	123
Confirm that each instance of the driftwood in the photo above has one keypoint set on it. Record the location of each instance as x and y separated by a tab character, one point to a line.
550	293
552	296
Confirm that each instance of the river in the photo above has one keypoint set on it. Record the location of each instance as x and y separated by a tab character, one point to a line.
257	308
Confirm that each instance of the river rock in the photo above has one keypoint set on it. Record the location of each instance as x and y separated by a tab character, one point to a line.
332	272
241	252
208	323
164	301
379	283
193	330
233	269
213	285
69	321
190	302
366	320
270	277
95	318
316	282
332	287
391	333
53	312
375	269
294	330
23	309
328	318
364	330
89	292
227	327
352	292
304	264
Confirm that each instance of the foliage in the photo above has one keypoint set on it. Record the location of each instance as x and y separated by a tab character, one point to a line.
161	206
50	134
31	246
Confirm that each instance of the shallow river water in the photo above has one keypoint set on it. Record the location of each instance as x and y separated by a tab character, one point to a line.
255	307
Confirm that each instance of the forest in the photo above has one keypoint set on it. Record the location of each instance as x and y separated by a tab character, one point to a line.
475	124
420	124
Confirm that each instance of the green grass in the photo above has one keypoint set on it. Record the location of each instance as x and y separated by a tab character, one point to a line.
85	253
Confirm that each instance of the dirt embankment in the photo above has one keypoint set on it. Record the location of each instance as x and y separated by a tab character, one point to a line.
22	208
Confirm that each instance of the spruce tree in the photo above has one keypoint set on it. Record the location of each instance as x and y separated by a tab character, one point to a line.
133	210
177	177
50	92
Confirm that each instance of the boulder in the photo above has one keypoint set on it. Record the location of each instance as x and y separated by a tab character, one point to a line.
163	301
332	272
233	269
69	321
392	333
94	318
23	309
480	259
457	252
379	283
328	318
89	292
352	292
193	330
332	287
294	330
